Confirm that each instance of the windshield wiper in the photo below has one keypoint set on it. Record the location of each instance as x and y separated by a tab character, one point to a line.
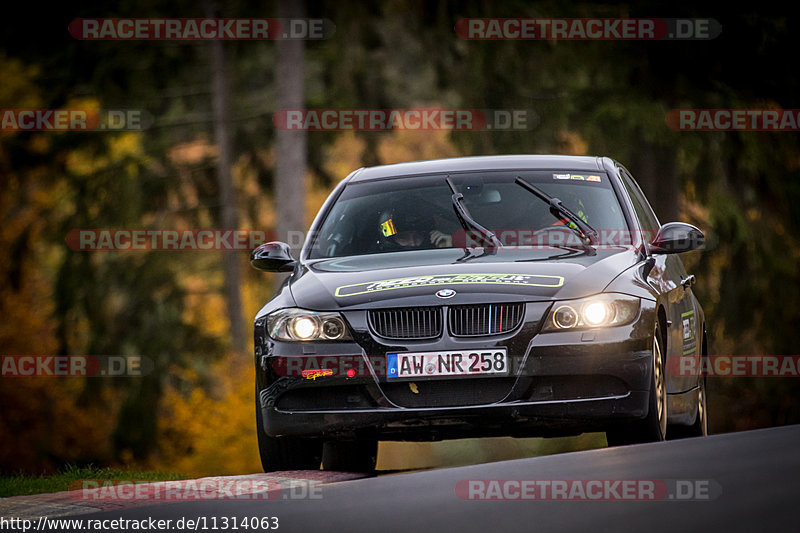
468	222
569	253
559	210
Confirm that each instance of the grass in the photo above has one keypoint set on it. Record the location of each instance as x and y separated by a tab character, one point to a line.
23	484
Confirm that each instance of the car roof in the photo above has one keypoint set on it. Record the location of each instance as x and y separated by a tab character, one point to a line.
491	162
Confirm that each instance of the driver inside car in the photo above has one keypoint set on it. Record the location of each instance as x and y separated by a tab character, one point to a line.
407	229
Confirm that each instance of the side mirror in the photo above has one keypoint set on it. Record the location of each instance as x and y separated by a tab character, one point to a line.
677	237
273	257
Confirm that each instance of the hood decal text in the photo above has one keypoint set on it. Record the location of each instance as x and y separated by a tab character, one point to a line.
531	280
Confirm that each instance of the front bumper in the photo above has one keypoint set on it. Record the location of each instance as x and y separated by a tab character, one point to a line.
517	419
560	384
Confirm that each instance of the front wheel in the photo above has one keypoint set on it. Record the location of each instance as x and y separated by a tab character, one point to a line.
286	453
653	427
700	426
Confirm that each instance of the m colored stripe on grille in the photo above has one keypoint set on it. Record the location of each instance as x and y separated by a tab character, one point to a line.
485	319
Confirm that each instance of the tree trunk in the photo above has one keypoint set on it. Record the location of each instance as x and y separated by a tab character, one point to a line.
227	193
291	145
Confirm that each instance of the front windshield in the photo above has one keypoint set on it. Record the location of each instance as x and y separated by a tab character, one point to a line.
416	213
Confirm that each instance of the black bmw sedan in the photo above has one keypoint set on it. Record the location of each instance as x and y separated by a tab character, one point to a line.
479	296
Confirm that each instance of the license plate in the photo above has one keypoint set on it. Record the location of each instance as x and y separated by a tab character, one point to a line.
492	361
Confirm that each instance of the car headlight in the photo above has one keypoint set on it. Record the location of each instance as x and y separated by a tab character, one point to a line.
303	325
603	310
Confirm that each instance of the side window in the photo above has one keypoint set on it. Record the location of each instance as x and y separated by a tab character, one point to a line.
644	212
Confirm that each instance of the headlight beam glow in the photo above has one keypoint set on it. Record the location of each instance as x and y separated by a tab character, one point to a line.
597	313
304	327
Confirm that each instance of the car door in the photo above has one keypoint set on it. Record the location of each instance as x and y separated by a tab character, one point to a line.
670	279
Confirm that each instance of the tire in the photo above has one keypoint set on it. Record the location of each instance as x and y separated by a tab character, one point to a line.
700	426
286	453
653	427
350	456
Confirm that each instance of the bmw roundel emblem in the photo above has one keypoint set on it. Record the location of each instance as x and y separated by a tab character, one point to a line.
446	293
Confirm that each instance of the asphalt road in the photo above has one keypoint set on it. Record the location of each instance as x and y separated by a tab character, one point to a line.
751	477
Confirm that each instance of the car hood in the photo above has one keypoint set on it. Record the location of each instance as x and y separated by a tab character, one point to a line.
414	278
